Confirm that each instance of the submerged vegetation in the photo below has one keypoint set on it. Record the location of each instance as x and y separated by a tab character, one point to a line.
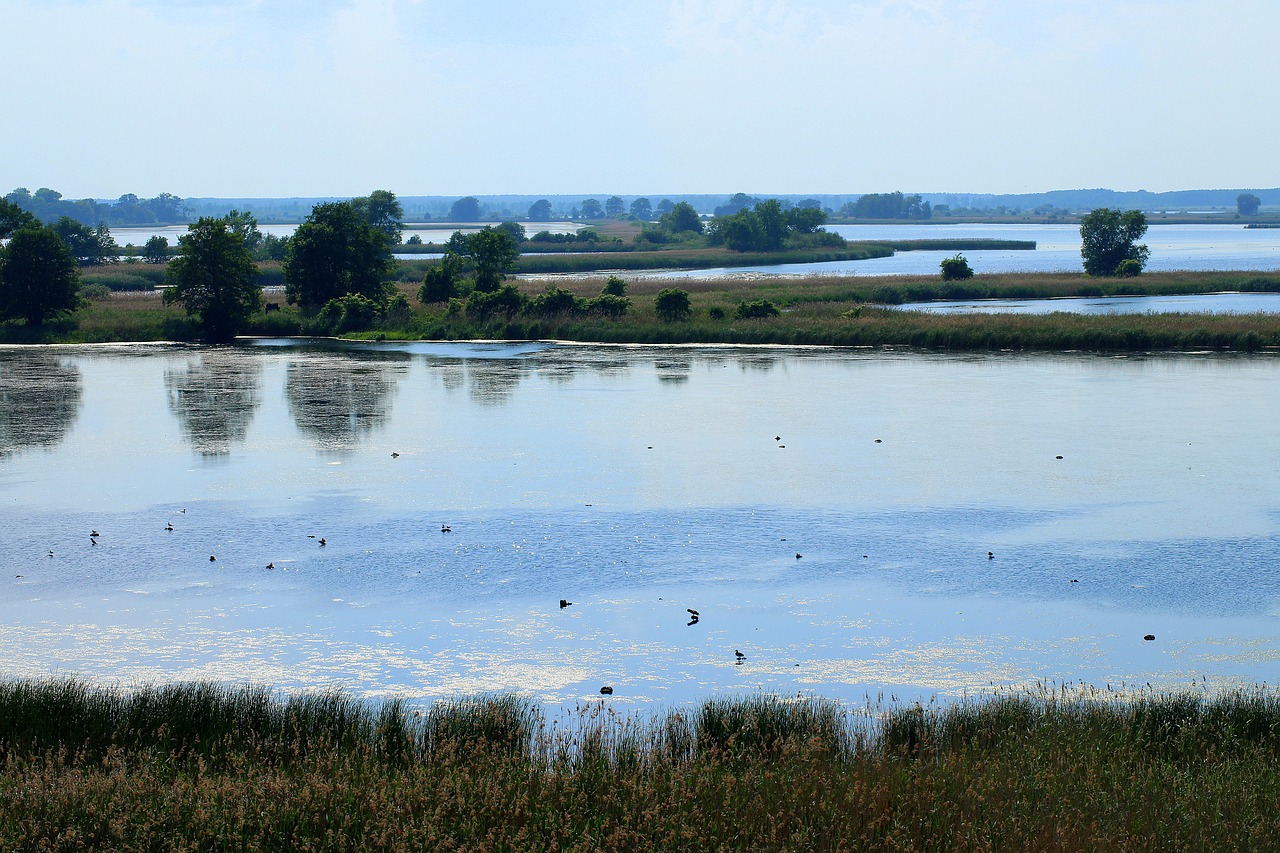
190	766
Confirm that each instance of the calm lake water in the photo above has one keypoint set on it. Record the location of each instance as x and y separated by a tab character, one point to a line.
1208	303
1173	247
827	512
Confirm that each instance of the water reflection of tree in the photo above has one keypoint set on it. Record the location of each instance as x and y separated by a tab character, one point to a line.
339	400
673	369
492	381
215	398
39	400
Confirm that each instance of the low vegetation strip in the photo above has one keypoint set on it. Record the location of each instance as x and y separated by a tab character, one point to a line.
692	259
816	310
201	766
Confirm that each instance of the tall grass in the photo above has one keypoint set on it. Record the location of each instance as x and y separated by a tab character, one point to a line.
202	766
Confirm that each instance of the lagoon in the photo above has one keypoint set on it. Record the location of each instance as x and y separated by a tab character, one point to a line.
1173	247
828	512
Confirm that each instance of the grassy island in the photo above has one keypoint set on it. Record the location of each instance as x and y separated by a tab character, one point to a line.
202	766
818	310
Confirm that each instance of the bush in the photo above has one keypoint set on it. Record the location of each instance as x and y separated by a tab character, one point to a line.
609	305
1128	268
614	286
755	310
672	304
397	312
439	284
350	313
556	300
715	312
956	269
506	300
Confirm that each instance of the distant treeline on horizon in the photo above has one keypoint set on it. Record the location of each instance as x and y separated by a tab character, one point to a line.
166	208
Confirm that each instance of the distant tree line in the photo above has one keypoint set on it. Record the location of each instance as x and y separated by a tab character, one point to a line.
49	206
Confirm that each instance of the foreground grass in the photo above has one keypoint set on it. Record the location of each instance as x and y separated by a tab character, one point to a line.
827	310
209	767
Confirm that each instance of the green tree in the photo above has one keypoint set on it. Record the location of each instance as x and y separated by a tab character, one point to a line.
540	210
246	225
13	217
441	281
214	278
466	209
591	209
333	253
157	250
672	304
490	252
1247	204
806	220
613	206
1108	236
681	217
614	286
382	210
642	209
89	246
956	269
515	229
39	278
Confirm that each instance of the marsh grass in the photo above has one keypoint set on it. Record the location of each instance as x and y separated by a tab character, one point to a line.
203	766
826	311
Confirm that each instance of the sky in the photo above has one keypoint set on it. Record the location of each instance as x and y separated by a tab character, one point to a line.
278	98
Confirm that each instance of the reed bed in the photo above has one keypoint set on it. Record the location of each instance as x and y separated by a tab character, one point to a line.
821	310
203	766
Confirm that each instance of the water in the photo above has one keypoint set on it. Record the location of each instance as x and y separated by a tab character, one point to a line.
1173	247
637	482
1206	303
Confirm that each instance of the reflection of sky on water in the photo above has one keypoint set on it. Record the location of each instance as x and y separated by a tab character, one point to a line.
587	473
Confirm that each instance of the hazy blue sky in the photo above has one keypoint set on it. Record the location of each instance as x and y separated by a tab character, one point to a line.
454	97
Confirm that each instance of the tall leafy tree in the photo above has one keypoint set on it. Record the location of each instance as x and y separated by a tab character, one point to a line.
245	224
39	278
214	278
336	252
591	209
157	250
540	210
642	208
613	205
13	217
89	246
681	217
1109	237
1247	204
466	209
382	210
490	251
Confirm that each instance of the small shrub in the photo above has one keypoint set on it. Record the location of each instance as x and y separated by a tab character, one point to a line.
715	312
614	286
672	304
1128	268
756	310
956	269
439	284
609	305
506	300
556	300
350	313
